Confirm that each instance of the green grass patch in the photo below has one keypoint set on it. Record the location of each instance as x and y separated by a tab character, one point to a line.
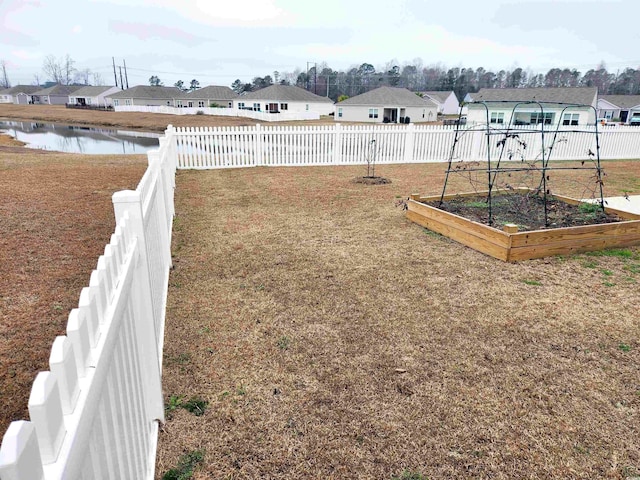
625	347
606	273
195	405
590	264
284	342
186	465
409	475
532	282
624	253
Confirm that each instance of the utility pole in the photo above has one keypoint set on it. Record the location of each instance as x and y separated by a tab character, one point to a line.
114	71
121	84
126	78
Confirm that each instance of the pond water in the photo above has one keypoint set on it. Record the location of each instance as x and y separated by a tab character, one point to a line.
72	139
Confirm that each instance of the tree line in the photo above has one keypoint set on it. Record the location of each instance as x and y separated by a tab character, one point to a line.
325	81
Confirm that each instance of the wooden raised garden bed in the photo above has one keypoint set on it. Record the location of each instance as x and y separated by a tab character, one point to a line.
510	245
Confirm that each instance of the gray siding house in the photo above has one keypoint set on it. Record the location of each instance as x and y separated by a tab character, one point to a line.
55	95
211	96
446	101
501	101
386	105
93	96
146	95
624	107
285	98
19	95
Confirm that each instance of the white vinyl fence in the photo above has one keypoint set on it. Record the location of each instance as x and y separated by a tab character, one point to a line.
221	112
95	414
228	147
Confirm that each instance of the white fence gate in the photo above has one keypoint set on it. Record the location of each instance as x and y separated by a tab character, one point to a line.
95	414
228	147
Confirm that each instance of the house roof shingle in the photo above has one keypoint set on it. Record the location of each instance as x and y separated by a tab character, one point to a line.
148	91
439	96
28	89
388	96
215	92
622	101
58	90
91	91
287	93
572	95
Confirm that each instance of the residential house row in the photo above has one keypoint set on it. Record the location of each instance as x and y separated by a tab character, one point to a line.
564	106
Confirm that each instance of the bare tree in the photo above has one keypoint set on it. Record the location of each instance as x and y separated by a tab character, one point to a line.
52	69
68	69
97	79
36	79
4	80
82	76
59	70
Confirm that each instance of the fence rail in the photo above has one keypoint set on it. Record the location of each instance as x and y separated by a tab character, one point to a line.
221	112
229	147
95	414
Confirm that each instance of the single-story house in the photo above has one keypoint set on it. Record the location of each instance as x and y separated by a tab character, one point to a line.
55	95
285	98
211	96
20	94
93	96
623	107
447	102
386	105
501	102
5	97
146	95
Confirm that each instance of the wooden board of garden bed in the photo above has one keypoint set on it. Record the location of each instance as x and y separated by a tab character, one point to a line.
513	246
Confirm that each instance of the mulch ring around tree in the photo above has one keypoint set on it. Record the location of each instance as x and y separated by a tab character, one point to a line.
371	180
526	211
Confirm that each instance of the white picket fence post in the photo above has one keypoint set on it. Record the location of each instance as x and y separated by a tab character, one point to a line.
259	146
20	454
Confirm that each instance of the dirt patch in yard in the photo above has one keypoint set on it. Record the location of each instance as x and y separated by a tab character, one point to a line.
56	217
526	211
333	338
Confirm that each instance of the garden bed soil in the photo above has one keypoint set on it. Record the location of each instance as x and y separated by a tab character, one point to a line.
526	210
372	180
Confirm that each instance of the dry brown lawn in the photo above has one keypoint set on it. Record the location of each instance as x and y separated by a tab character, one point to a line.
333	338
55	219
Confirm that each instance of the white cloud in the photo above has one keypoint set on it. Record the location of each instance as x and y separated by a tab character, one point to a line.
76	29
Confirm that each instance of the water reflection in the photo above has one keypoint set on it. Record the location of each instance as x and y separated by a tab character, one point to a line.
89	140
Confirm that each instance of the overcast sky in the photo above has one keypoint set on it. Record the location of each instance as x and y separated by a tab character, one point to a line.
217	41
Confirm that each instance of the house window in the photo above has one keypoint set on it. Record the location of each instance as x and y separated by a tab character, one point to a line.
373	113
307	107
539	117
127	101
230	104
179	103
570	119
116	102
241	105
88	101
284	106
340	112
423	112
168	103
200	103
497	117
256	107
